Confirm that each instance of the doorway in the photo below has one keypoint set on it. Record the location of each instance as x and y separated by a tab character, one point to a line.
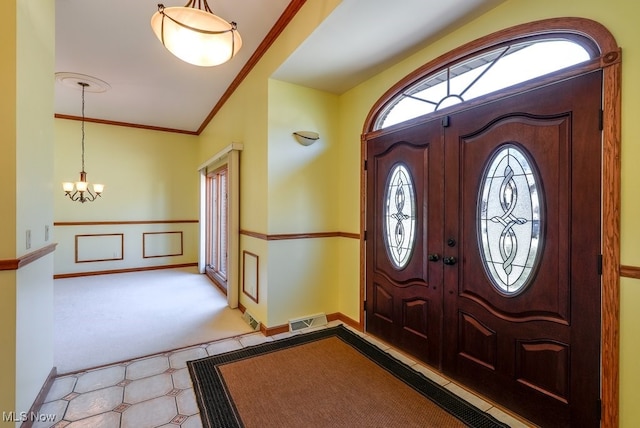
217	227
483	246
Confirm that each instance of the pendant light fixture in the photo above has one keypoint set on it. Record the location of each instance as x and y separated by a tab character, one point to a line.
79	191
195	35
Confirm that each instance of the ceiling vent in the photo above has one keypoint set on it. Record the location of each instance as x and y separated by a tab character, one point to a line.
307	322
250	319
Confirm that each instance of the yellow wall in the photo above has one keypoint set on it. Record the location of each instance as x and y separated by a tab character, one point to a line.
148	176
34	140
248	128
8	211
302	179
151	173
303	189
247	118
26	134
8	79
244	118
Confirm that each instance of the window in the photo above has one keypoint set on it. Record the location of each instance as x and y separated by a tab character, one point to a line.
481	74
399	216
509	219
217	227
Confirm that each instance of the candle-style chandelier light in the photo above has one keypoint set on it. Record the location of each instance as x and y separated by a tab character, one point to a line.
79	191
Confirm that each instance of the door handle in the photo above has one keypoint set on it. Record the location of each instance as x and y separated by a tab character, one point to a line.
450	261
433	257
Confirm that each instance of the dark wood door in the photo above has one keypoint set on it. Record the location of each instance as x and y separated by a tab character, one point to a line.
404	218
508	206
522	306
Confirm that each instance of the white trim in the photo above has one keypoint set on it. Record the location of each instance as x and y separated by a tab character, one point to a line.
222	153
231	156
233	219
203	217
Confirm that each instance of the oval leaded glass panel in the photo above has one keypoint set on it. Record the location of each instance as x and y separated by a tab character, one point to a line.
509	219
399	216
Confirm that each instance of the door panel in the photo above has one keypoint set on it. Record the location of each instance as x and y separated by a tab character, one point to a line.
535	350
547	143
515	316
404	303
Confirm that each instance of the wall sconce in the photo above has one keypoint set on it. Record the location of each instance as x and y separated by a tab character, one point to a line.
306	138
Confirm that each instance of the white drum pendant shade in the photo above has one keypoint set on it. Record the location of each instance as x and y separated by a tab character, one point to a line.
195	36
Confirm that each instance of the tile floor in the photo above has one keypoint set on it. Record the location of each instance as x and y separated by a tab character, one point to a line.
156	391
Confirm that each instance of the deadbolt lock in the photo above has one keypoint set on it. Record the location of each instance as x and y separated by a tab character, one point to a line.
449	261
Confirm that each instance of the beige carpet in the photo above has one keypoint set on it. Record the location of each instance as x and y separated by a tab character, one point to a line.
109	318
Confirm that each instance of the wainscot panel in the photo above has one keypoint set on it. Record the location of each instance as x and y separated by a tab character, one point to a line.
85	247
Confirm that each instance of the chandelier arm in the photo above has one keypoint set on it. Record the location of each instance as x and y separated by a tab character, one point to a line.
91	196
234	26
78	196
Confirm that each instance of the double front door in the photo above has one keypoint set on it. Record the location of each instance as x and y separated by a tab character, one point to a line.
482	248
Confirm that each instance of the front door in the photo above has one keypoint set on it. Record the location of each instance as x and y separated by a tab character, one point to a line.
519	249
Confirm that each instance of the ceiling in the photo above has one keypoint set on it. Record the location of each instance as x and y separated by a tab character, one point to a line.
149	87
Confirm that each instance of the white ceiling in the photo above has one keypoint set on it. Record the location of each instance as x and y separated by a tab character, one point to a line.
113	41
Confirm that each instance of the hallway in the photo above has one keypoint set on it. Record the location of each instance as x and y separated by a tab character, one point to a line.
104	319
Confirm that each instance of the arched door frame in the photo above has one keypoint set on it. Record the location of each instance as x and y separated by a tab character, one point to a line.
609	61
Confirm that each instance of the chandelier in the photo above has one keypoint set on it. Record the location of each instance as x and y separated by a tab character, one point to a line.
79	191
195	35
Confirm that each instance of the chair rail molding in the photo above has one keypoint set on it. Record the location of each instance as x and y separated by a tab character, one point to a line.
630	272
15	264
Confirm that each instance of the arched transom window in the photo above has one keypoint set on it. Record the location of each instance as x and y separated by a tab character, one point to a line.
486	72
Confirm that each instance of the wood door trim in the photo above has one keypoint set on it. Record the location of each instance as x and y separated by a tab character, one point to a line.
611	196
610	63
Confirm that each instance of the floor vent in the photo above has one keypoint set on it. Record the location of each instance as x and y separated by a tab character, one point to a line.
254	323
307	322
